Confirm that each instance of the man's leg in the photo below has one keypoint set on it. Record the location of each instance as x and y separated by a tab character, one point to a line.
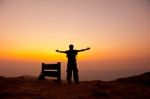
69	75
75	75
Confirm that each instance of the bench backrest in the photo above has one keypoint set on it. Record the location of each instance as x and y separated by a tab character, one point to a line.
52	70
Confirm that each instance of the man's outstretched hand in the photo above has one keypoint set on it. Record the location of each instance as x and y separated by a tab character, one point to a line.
88	48
57	50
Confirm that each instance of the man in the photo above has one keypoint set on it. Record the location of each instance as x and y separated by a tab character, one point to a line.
72	65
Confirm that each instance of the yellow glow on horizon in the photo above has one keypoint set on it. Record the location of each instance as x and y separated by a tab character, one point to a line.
51	55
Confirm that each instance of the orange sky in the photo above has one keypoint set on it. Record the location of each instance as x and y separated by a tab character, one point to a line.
31	30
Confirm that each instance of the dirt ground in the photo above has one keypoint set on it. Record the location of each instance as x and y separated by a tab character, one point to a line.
31	88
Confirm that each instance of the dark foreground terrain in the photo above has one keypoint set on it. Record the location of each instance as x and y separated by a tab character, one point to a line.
26	87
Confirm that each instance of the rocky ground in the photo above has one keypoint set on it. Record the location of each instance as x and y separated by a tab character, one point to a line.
26	87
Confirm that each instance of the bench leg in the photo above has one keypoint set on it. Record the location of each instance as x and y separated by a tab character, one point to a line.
41	77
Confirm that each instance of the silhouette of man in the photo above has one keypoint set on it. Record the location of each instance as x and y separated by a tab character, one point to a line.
72	65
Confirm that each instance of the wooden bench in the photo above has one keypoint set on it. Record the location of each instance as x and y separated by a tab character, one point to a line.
51	70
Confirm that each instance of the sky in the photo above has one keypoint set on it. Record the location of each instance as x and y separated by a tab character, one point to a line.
117	31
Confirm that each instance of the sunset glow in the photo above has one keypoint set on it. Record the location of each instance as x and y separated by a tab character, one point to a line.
31	31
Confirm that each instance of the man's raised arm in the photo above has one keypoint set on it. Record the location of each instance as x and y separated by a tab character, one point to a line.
83	49
60	51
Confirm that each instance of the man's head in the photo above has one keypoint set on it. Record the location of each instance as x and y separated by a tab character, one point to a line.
71	46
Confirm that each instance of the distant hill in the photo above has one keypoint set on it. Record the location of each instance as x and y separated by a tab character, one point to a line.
139	79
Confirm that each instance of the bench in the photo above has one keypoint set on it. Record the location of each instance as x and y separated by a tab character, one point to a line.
51	70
